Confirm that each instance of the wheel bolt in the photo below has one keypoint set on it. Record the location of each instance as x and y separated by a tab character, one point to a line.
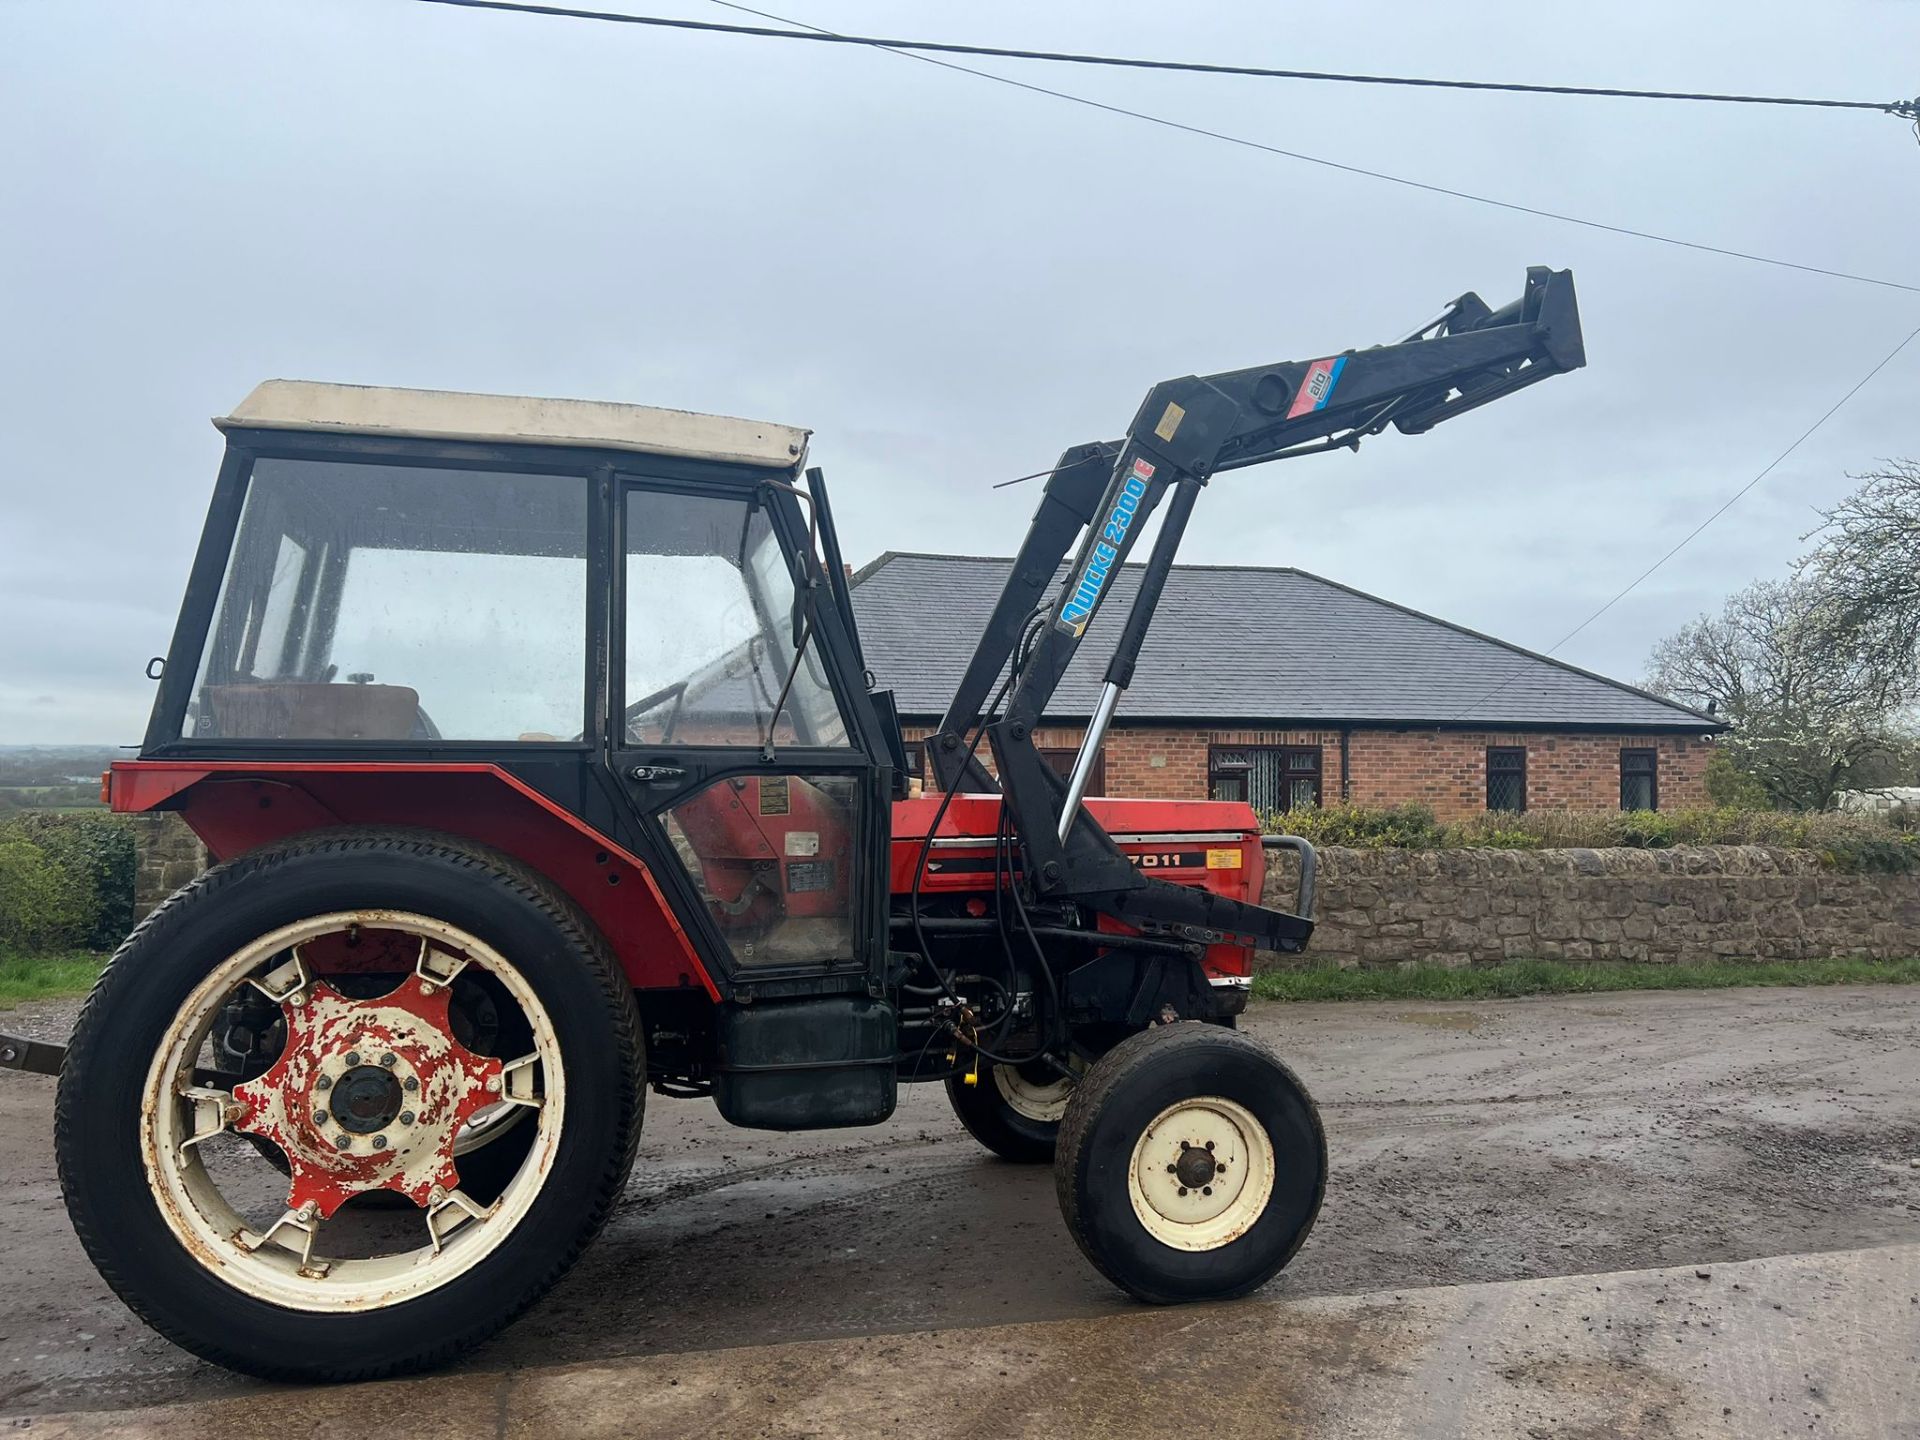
406	1117
319	1117
325	1082
379	1142
1173	1169
1206	1189
412	1083
1183	1189
389	1061
345	1142
353	1057
1209	1144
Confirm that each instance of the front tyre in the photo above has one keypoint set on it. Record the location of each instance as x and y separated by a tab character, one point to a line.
353	941
1191	1164
1013	1110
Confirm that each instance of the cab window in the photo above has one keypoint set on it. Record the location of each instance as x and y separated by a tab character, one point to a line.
396	603
710	643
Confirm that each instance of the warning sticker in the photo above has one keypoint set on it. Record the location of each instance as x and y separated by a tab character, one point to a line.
804	876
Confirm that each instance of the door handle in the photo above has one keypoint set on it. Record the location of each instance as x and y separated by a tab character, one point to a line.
654	774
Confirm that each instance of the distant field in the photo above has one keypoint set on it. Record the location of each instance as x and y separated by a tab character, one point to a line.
49	797
52	778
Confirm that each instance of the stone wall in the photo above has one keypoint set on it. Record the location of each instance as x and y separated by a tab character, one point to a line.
1468	907
167	855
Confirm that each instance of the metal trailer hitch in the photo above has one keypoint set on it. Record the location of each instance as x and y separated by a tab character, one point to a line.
36	1057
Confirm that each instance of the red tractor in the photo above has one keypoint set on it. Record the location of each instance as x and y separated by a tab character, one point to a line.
539	758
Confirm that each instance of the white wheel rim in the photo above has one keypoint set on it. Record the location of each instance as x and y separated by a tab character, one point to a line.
287	1264
1202	1173
1043	1104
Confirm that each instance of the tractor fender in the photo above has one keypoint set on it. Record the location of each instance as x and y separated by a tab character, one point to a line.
237	806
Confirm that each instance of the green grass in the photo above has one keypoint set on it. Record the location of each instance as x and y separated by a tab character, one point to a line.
1551	977
44	977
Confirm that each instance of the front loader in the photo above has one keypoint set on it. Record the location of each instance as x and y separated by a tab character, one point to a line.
535	749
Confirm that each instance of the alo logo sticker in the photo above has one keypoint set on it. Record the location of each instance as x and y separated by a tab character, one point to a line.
1317	388
1085	594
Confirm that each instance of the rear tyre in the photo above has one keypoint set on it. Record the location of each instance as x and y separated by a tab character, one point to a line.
1013	1110
1191	1164
290	1277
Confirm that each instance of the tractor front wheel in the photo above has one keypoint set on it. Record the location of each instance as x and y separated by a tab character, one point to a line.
1013	1110
1191	1164
344	949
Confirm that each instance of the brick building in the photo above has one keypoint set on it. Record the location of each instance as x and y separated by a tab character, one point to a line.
1279	687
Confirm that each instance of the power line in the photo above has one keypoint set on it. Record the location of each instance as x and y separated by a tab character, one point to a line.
1301	155
1906	109
1730	502
1175	124
909	49
1221	135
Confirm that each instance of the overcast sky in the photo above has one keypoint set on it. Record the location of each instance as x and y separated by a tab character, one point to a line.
947	279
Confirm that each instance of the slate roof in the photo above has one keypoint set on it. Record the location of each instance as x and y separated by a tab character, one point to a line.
1247	644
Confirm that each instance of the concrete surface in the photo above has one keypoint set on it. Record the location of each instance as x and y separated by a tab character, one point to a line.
1491	1142
1822	1344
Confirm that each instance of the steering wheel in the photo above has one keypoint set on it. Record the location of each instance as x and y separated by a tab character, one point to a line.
676	691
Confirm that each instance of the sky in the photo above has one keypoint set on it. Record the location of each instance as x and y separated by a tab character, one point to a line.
950	280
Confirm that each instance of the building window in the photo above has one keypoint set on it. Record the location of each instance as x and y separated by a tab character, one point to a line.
916	759
1639	780
1271	778
1506	777
1061	759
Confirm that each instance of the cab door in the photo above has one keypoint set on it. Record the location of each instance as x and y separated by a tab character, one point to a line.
740	736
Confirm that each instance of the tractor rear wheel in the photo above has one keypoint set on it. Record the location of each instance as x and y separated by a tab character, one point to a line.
270	1270
1191	1164
1013	1110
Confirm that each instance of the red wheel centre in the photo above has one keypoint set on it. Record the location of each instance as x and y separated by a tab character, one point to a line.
369	1095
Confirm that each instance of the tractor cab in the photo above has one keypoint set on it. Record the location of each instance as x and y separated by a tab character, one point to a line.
620	608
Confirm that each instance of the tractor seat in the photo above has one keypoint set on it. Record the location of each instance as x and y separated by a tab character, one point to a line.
299	710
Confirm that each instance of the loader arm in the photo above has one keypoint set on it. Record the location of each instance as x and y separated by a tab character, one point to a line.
1185	431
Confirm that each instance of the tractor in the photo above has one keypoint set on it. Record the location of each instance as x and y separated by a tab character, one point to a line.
541	768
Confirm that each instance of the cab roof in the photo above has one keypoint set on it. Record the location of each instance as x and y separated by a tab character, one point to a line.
514	420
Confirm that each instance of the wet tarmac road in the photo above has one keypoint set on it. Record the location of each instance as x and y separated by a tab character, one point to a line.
1493	1141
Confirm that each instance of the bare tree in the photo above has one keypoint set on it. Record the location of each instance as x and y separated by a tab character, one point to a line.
1812	715
1867	566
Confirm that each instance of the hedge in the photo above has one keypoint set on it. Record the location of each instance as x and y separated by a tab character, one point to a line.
1846	842
66	881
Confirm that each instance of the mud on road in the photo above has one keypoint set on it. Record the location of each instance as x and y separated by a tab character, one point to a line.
1491	1141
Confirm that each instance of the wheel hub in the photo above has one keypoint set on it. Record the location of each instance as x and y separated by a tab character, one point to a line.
366	1099
1195	1167
368	1094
